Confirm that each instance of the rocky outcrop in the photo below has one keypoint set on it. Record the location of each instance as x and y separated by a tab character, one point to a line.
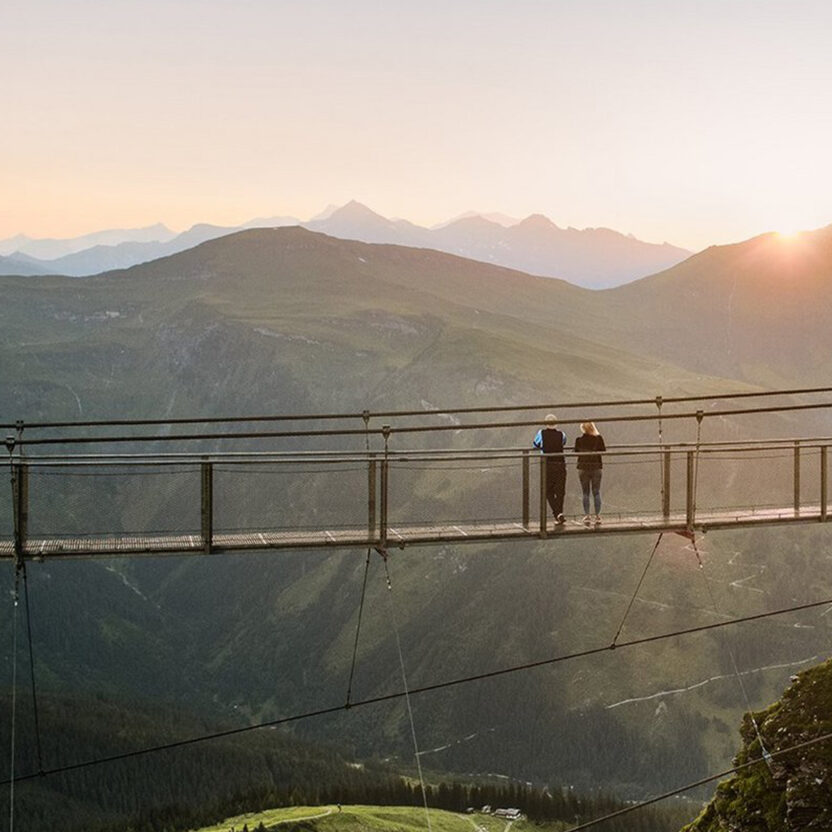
789	792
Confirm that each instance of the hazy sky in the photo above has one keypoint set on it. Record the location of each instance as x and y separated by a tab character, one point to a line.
692	122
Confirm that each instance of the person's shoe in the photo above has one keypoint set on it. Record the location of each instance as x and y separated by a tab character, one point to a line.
560	519
586	520
597	519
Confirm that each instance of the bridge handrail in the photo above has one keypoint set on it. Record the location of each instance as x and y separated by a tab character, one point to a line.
386	431
392	414
419	455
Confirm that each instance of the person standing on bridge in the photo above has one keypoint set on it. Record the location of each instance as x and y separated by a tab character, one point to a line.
551	441
590	445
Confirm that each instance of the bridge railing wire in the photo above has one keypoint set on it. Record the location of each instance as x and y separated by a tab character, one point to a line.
808	444
70	502
376	434
262	496
425	412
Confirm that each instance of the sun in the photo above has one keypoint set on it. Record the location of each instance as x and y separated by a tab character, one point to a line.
787	233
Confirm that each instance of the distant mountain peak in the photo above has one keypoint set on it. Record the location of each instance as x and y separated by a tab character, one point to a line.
326	213
536	221
471	221
494	217
351	216
356	210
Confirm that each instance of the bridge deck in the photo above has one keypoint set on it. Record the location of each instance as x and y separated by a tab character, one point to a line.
118	545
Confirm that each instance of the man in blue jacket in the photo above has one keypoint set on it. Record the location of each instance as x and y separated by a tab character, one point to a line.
552	441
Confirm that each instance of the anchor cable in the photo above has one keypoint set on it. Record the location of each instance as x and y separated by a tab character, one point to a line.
638	587
366	417
658	798
32	665
15	598
448	683
404	683
358	627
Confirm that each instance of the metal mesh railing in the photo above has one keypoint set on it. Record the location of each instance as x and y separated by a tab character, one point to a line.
67	501
300	495
372	492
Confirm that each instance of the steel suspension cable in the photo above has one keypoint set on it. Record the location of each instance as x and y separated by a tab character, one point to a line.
699	416
358	627
374	700
429	412
265	434
641	804
659	402
15	596
638	587
394	619
366	417
32	665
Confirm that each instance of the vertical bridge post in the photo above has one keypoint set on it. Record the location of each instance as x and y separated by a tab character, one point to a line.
690	505
797	476
207	492
371	498
666	484
543	495
525	489
823	482
385	487
20	497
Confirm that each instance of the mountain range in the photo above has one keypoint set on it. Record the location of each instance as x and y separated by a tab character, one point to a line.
20	264
592	257
290	320
51	248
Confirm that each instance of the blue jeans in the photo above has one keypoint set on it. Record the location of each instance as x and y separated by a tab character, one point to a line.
591	478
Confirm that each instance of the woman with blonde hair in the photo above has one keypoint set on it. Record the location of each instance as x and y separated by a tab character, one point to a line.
590	445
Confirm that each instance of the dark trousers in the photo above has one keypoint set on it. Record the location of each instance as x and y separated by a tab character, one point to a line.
591	478
555	485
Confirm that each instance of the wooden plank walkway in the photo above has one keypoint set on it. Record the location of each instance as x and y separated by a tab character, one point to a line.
128	545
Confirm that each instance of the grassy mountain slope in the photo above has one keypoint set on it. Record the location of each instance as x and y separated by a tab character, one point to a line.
391	324
759	310
369	818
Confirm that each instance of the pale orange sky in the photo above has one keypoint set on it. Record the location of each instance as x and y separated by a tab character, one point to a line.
692	122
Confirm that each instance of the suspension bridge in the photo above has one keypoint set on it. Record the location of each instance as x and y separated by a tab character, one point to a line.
160	496
159	502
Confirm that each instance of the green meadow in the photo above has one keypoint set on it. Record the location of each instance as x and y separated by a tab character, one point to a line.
369	818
